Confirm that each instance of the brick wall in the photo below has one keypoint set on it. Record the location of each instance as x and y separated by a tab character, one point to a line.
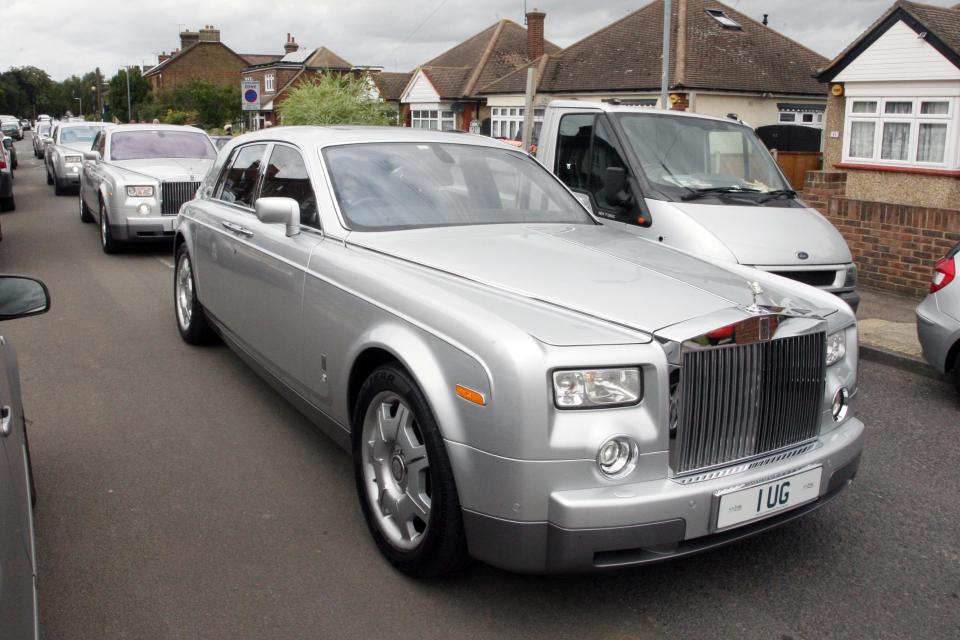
894	245
208	60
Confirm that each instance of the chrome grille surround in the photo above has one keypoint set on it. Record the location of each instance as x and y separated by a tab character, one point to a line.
174	194
746	395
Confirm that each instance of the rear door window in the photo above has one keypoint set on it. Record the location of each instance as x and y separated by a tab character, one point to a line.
238	183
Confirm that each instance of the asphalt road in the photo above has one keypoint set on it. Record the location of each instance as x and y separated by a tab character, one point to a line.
180	497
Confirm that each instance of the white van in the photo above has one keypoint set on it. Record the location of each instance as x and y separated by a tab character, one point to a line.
702	184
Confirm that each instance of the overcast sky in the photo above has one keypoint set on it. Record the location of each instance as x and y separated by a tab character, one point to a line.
65	38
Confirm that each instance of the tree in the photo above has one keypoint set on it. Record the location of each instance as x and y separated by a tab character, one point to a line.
198	101
117	93
333	99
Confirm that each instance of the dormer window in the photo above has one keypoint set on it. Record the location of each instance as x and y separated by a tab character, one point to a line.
723	19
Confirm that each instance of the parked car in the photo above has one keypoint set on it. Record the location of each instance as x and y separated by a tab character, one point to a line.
19	297
516	379
702	184
10	126
137	176
11	149
25	124
7	202
938	317
63	156
41	138
221	141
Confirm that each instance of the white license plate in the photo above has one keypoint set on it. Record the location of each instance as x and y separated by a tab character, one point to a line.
760	500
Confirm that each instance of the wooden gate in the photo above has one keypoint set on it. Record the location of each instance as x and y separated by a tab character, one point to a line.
795	165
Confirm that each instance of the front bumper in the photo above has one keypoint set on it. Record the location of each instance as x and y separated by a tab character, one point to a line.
937	332
645	522
138	228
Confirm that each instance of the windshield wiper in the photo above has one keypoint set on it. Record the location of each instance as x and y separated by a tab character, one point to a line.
702	193
779	193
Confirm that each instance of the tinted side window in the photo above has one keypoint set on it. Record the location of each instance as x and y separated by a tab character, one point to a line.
606	154
239	181
573	150
286	177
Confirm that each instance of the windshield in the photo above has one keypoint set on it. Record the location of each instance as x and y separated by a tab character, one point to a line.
387	186
43	129
10	125
140	145
680	156
70	135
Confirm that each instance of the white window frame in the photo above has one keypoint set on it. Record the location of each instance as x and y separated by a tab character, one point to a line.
438	117
816	118
880	118
269	83
505	122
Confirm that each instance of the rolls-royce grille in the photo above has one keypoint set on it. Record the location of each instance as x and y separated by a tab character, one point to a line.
740	401
174	194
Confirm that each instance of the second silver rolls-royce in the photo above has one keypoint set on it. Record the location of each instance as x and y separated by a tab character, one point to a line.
63	156
135	178
516	380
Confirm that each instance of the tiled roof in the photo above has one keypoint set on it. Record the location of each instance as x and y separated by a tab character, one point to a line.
163	65
625	56
391	84
480	59
326	59
254	59
942	22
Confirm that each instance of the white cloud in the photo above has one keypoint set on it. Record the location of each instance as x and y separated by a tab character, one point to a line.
65	39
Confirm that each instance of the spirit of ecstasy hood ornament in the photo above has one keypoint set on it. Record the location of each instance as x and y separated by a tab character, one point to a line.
757	291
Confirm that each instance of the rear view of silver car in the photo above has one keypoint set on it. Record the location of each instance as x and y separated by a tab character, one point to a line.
938	317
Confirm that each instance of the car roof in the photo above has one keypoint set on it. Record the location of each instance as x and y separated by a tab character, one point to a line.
340	134
68	125
115	128
612	107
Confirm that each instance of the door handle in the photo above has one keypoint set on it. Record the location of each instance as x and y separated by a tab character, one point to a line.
5	415
238	229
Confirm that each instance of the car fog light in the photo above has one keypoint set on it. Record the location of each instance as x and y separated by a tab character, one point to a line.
617	456
841	404
144	209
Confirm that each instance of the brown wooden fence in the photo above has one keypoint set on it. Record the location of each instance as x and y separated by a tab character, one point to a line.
795	165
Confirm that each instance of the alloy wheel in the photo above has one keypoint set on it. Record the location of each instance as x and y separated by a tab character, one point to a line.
184	291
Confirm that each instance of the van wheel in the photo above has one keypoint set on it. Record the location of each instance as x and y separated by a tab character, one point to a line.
404	480
7	204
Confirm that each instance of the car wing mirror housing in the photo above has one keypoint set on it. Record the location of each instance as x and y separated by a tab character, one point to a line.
284	211
91	155
21	297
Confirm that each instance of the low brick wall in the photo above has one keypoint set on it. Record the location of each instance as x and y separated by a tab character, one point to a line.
894	245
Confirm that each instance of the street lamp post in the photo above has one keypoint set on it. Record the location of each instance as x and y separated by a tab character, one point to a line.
80	100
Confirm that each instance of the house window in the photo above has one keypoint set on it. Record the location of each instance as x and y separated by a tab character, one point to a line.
723	18
507	122
269	83
436	119
788	117
901	131
799	115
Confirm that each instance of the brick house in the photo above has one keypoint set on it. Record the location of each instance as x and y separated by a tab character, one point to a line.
389	87
201	55
442	93
893	119
295	67
722	62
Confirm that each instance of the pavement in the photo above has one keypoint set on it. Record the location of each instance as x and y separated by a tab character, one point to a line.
888	331
181	497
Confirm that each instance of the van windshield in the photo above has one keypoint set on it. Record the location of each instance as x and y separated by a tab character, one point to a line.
686	158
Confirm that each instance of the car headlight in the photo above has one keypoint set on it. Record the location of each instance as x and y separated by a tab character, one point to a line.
851	279
592	388
140	192
72	159
836	347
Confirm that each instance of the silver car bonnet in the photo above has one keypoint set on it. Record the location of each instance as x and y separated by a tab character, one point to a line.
770	236
585	268
185	169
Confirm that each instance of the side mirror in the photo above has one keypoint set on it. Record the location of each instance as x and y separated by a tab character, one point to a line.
614	181
21	297
279	211
91	155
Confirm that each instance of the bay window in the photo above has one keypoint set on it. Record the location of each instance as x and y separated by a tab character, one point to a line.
507	122
901	131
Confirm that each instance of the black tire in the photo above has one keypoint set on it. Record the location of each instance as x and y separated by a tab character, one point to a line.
58	188
107	243
85	214
443	547
196	330
956	371
49	177
8	203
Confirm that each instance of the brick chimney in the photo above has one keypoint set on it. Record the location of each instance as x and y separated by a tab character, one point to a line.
209	33
163	57
290	45
188	38
535	34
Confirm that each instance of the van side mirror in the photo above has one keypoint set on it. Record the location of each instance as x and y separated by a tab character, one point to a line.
91	155
21	297
279	211
614	181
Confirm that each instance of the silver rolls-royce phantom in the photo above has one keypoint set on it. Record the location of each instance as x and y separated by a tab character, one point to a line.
135	178
63	156
515	380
